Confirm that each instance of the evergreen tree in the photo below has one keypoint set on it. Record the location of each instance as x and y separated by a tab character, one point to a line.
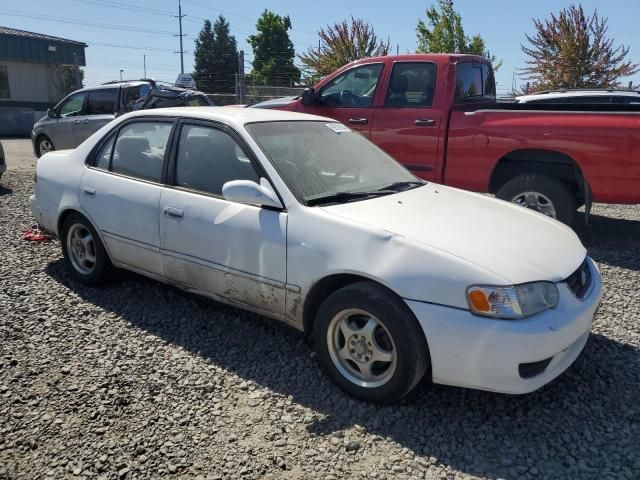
224	61
273	51
216	57
203	67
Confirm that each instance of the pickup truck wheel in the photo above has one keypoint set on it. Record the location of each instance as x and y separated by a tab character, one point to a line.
83	251
44	145
541	193
370	343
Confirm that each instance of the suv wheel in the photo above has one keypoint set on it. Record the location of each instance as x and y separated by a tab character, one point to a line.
44	145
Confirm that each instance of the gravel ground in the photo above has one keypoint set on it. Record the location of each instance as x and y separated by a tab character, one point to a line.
141	380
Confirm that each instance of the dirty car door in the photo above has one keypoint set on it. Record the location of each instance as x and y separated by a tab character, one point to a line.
226	249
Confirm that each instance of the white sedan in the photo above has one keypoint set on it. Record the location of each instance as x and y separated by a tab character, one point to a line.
299	218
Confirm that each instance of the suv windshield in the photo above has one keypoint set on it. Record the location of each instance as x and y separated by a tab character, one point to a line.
324	163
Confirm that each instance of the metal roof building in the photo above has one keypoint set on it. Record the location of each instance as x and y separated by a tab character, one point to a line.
35	73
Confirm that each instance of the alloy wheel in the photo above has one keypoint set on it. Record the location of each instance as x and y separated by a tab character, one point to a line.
361	348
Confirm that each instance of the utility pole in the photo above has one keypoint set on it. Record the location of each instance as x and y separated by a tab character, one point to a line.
241	85
181	52
144	62
397	49
76	70
121	74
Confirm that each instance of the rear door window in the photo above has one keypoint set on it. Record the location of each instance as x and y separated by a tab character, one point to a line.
140	149
102	102
411	85
474	81
134	93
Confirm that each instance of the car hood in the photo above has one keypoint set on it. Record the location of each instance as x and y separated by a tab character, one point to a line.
517	244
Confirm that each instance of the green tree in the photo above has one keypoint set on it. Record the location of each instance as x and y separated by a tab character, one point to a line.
342	43
572	50
273	51
203	65
69	79
216	57
443	33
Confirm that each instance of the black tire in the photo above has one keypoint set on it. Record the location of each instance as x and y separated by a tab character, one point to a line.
554	190
39	141
102	268
412	357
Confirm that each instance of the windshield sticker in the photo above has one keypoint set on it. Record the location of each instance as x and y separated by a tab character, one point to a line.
338	127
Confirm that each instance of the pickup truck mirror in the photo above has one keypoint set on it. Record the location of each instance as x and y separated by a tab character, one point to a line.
308	96
51	113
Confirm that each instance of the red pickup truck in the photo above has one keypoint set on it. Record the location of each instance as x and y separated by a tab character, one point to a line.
438	115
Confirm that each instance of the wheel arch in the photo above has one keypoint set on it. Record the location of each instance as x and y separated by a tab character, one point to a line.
329	284
64	214
552	163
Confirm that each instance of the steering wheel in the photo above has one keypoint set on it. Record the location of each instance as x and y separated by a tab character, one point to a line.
347	99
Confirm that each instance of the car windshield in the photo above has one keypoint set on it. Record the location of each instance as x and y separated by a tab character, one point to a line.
326	162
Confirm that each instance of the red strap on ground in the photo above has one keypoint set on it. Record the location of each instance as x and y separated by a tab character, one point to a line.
34	234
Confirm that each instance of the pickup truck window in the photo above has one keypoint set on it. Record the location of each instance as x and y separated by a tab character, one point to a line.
353	88
474	81
411	85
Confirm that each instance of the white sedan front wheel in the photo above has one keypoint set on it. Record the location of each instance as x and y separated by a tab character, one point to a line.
370	343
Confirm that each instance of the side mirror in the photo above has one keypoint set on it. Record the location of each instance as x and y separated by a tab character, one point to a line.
246	191
308	96
51	113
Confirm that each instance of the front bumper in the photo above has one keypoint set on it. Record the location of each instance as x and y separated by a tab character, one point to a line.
487	354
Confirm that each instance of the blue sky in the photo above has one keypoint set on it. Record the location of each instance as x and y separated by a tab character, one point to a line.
149	26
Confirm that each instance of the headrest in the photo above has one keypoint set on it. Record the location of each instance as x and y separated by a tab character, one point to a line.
399	83
199	144
132	145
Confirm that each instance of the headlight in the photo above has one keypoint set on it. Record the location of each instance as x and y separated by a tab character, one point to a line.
510	302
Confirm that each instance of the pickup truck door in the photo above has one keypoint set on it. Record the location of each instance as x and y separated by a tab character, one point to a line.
349	97
407	126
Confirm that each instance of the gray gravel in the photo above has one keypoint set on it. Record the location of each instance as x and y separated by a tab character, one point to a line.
140	380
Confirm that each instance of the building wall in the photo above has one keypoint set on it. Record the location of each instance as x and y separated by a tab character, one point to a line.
33	83
33	88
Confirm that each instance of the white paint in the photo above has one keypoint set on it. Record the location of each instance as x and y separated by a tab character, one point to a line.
427	245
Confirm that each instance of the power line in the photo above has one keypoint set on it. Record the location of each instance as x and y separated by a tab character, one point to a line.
75	21
124	6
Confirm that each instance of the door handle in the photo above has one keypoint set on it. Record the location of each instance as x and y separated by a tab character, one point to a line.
173	213
86	120
76	122
89	191
358	121
424	122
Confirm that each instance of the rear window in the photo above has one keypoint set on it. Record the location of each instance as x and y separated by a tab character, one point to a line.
102	102
474	81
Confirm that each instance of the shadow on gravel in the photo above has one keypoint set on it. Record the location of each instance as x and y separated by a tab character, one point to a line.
560	430
5	191
614	241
